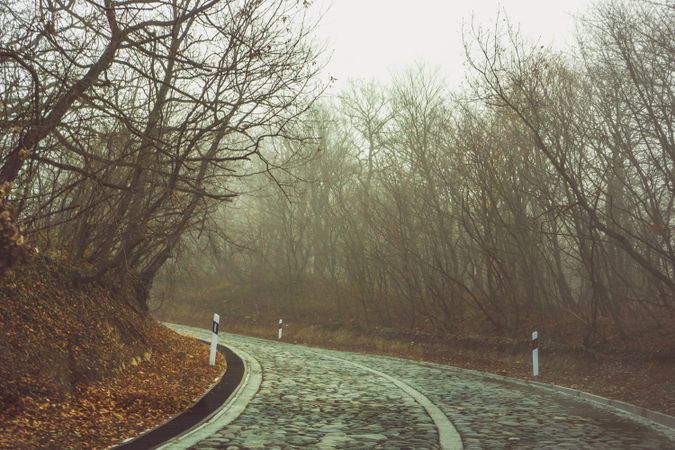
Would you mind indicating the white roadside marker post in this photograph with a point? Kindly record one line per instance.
(214, 339)
(281, 324)
(535, 353)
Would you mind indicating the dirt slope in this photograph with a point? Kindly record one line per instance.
(83, 366)
(55, 333)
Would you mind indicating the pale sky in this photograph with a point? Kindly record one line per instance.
(369, 39)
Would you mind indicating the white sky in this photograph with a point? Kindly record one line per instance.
(370, 39)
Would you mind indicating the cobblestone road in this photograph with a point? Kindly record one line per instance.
(312, 398)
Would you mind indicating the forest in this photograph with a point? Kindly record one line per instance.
(186, 147)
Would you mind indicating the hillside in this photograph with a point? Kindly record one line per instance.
(83, 364)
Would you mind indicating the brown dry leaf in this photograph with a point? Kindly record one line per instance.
(103, 413)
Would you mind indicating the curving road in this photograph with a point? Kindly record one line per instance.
(314, 398)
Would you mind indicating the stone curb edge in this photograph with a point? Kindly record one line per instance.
(150, 438)
(655, 416)
(230, 409)
(649, 417)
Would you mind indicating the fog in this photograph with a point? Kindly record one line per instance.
(469, 170)
(372, 40)
(537, 194)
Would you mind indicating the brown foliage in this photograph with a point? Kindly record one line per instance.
(100, 414)
(80, 367)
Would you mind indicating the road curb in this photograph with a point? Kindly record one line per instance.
(660, 421)
(627, 409)
(654, 416)
(203, 408)
(229, 410)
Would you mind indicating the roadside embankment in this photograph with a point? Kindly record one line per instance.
(82, 365)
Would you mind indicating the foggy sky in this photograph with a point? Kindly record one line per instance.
(370, 39)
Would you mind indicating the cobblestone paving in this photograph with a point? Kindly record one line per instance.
(307, 400)
(495, 414)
